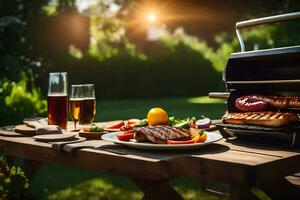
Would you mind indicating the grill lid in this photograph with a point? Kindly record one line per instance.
(276, 69)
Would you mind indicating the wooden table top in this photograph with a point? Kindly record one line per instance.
(242, 165)
(228, 161)
(223, 160)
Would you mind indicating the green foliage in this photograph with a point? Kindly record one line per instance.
(13, 182)
(20, 99)
(177, 64)
(262, 37)
(108, 40)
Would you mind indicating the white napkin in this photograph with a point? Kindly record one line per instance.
(42, 129)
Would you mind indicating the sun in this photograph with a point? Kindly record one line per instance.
(151, 17)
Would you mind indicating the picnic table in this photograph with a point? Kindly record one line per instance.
(239, 164)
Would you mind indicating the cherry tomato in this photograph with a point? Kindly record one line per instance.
(125, 136)
(86, 129)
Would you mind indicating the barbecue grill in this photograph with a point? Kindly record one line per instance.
(271, 72)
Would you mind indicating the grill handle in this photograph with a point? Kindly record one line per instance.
(219, 95)
(260, 21)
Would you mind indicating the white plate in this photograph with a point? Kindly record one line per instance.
(211, 138)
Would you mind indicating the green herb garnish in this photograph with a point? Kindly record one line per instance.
(143, 122)
(180, 123)
(95, 128)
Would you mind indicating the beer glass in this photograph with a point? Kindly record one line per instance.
(82, 103)
(58, 99)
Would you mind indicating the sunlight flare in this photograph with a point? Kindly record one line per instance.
(151, 17)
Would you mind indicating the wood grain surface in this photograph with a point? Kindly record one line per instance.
(25, 130)
(242, 165)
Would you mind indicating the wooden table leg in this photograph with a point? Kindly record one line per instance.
(157, 190)
(31, 167)
(281, 189)
(241, 191)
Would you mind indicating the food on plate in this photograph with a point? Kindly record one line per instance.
(116, 125)
(182, 123)
(161, 133)
(126, 128)
(157, 116)
(273, 119)
(122, 125)
(203, 123)
(195, 138)
(143, 122)
(93, 132)
(132, 122)
(159, 128)
(93, 128)
(257, 102)
(125, 136)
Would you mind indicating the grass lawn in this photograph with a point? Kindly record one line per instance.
(61, 182)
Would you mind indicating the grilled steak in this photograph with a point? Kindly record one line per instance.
(279, 102)
(273, 119)
(160, 134)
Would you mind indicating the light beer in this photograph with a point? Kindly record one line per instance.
(83, 109)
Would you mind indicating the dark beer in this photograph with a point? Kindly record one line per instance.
(58, 110)
(83, 109)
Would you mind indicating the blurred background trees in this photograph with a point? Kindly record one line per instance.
(128, 48)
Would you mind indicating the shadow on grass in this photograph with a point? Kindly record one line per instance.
(96, 189)
(103, 189)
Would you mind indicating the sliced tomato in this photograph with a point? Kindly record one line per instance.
(118, 124)
(132, 122)
(202, 138)
(125, 136)
(86, 129)
(181, 141)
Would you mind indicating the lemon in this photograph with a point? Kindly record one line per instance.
(157, 116)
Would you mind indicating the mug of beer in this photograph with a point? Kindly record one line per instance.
(82, 104)
(58, 99)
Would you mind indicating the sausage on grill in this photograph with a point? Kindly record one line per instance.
(273, 119)
(256, 102)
